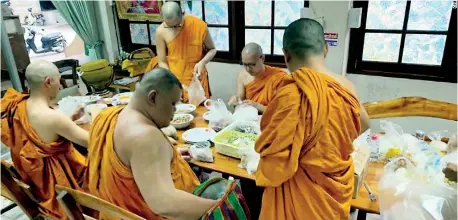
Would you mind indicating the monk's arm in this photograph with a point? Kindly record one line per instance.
(211, 50)
(364, 119)
(161, 49)
(65, 127)
(150, 163)
(239, 91)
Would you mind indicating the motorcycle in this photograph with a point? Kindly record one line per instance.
(33, 19)
(54, 42)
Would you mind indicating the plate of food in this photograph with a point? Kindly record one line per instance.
(94, 108)
(185, 108)
(122, 98)
(196, 135)
(181, 121)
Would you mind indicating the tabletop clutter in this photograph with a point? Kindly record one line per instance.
(413, 185)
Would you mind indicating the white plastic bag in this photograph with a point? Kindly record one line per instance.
(249, 160)
(196, 93)
(245, 112)
(219, 116)
(405, 193)
(201, 153)
(451, 145)
(436, 142)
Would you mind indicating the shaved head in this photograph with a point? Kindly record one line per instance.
(304, 38)
(158, 79)
(252, 49)
(37, 72)
(171, 11)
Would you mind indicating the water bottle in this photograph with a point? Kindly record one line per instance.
(374, 144)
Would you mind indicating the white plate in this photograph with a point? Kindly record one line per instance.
(198, 135)
(206, 116)
(122, 98)
(185, 108)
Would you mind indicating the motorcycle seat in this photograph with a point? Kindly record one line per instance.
(50, 36)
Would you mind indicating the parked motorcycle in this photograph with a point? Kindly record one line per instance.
(34, 18)
(54, 42)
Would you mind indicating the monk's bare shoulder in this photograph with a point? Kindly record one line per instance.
(345, 82)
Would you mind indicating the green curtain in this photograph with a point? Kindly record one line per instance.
(80, 15)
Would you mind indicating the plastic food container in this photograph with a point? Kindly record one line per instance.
(250, 132)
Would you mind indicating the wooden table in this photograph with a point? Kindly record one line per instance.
(229, 165)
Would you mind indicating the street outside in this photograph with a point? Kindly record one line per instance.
(65, 29)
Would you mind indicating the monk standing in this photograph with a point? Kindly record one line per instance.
(257, 83)
(41, 138)
(180, 43)
(131, 162)
(307, 134)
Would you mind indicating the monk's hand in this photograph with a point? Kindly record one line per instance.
(184, 152)
(78, 113)
(235, 101)
(198, 68)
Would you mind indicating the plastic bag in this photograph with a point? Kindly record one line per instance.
(451, 145)
(405, 193)
(249, 160)
(201, 152)
(170, 131)
(391, 144)
(219, 117)
(245, 112)
(196, 93)
(68, 106)
(436, 142)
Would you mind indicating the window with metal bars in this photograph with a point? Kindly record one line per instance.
(407, 39)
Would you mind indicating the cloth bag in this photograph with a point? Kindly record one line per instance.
(231, 203)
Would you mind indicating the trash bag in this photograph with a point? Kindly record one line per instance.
(196, 93)
(406, 193)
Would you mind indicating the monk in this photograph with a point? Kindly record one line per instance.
(131, 162)
(180, 43)
(307, 134)
(257, 83)
(41, 138)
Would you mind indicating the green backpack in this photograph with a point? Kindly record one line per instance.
(231, 203)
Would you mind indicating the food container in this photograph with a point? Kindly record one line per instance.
(181, 125)
(185, 108)
(247, 133)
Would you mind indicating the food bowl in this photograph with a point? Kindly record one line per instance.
(181, 121)
(185, 108)
(122, 98)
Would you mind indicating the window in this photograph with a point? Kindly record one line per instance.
(266, 21)
(410, 39)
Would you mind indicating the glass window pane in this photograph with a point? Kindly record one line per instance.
(386, 14)
(424, 49)
(195, 9)
(152, 33)
(278, 42)
(216, 12)
(287, 11)
(139, 34)
(259, 36)
(381, 47)
(258, 13)
(430, 15)
(220, 37)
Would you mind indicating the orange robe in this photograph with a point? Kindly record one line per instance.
(41, 165)
(111, 180)
(184, 52)
(305, 146)
(263, 89)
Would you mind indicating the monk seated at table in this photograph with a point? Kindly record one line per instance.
(257, 83)
(41, 138)
(180, 43)
(307, 134)
(131, 162)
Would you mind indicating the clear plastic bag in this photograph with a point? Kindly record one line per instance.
(451, 145)
(436, 142)
(405, 193)
(219, 116)
(245, 112)
(201, 153)
(196, 93)
(249, 160)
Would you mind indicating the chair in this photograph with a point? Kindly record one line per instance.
(71, 200)
(64, 67)
(411, 106)
(19, 192)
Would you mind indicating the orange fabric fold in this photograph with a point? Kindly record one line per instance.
(184, 52)
(41, 165)
(305, 146)
(263, 89)
(111, 180)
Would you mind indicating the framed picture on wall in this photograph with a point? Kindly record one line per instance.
(140, 10)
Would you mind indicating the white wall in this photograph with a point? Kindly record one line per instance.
(107, 29)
